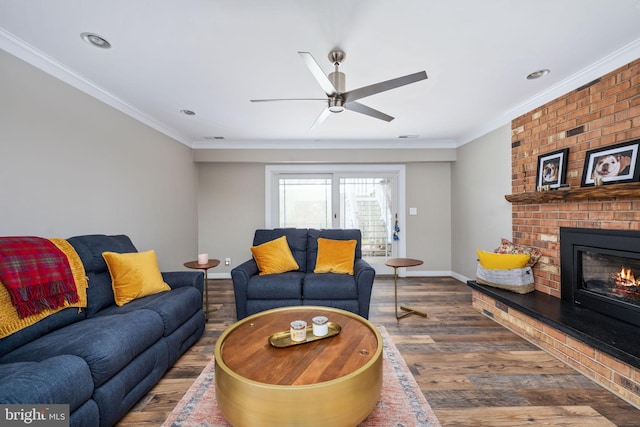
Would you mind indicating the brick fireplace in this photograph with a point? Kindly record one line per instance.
(601, 113)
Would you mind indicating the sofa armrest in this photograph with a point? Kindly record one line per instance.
(240, 276)
(364, 276)
(179, 279)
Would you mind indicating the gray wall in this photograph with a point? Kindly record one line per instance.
(230, 208)
(428, 234)
(232, 203)
(72, 165)
(480, 178)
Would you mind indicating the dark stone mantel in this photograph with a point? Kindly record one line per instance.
(616, 338)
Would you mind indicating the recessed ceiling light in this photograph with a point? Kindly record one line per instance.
(211, 138)
(188, 112)
(538, 74)
(408, 136)
(96, 40)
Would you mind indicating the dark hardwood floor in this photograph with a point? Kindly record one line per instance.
(472, 371)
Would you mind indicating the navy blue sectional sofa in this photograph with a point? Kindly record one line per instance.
(102, 360)
(255, 293)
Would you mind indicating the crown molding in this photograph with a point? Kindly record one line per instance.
(317, 144)
(31, 55)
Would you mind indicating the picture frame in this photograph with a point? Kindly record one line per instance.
(612, 164)
(552, 169)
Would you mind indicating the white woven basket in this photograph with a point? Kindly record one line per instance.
(519, 280)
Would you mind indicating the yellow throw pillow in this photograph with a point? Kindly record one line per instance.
(335, 256)
(274, 257)
(134, 275)
(492, 261)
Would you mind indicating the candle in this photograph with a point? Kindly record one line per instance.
(203, 259)
(320, 326)
(298, 330)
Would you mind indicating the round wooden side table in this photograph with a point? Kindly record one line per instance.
(401, 263)
(204, 267)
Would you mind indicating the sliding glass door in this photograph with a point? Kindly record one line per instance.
(305, 201)
(341, 197)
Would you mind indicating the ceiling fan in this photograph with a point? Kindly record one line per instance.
(334, 86)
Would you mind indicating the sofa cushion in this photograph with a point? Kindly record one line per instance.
(42, 327)
(90, 249)
(329, 286)
(276, 286)
(58, 380)
(296, 238)
(258, 305)
(335, 256)
(174, 307)
(334, 234)
(274, 257)
(134, 275)
(107, 344)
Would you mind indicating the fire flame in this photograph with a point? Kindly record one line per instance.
(626, 278)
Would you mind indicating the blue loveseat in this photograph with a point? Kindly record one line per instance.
(255, 293)
(102, 360)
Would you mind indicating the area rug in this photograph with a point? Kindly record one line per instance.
(401, 403)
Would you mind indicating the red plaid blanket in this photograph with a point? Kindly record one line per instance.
(36, 274)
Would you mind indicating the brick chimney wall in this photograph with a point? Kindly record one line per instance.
(601, 113)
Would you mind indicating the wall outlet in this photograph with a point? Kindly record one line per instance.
(227, 261)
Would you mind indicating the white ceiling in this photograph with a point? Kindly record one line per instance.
(213, 56)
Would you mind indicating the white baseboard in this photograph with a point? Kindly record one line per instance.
(460, 277)
(410, 273)
(423, 273)
(226, 275)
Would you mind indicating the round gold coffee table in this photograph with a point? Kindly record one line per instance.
(335, 381)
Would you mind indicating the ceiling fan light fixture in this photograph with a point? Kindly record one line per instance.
(96, 40)
(336, 105)
(538, 74)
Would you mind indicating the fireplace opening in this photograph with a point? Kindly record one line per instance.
(610, 276)
(600, 270)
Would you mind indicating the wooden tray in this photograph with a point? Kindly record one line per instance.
(283, 339)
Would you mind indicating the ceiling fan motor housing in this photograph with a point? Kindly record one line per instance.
(336, 102)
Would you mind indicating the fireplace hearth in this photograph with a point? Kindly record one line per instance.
(599, 270)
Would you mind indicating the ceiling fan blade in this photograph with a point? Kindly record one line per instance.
(321, 118)
(288, 99)
(363, 109)
(363, 92)
(317, 72)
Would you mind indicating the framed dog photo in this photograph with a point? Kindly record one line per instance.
(611, 164)
(552, 169)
